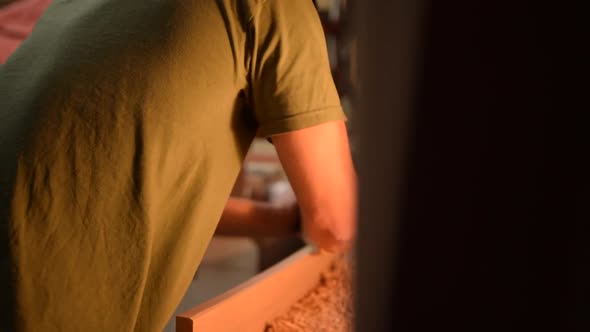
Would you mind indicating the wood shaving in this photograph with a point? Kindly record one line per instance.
(327, 308)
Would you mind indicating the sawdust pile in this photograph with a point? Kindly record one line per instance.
(327, 308)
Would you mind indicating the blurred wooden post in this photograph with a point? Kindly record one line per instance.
(474, 167)
(387, 53)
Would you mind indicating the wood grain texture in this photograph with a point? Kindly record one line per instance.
(248, 307)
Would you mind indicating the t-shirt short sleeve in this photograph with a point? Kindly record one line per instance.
(291, 85)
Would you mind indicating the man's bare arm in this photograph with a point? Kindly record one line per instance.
(319, 166)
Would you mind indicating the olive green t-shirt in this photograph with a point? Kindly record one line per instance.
(123, 125)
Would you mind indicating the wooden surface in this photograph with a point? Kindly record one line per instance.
(248, 307)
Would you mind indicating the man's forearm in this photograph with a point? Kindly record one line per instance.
(246, 217)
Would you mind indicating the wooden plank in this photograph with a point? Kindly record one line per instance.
(249, 306)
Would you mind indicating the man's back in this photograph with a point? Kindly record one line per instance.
(124, 119)
(123, 126)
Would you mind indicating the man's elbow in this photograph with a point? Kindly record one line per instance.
(330, 231)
